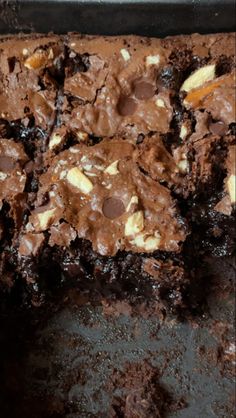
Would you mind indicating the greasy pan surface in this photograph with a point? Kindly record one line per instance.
(57, 362)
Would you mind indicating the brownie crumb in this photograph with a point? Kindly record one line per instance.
(138, 393)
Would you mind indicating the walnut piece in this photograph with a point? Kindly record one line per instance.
(38, 59)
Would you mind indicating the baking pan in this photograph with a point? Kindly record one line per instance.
(151, 18)
(56, 361)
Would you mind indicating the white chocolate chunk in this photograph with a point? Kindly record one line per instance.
(125, 54)
(77, 179)
(87, 167)
(99, 167)
(25, 52)
(231, 186)
(150, 243)
(183, 132)
(45, 219)
(63, 174)
(74, 151)
(199, 77)
(183, 165)
(112, 169)
(89, 174)
(160, 103)
(152, 60)
(3, 176)
(55, 140)
(82, 136)
(133, 200)
(134, 223)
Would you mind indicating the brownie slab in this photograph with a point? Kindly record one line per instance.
(117, 161)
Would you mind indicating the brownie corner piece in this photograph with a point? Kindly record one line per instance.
(30, 69)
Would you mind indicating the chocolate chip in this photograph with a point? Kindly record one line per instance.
(126, 106)
(218, 128)
(144, 90)
(6, 164)
(113, 208)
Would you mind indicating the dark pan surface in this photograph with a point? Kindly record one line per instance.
(58, 362)
(151, 18)
(64, 360)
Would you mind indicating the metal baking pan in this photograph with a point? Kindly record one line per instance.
(151, 18)
(55, 363)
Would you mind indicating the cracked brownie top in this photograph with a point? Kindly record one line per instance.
(126, 142)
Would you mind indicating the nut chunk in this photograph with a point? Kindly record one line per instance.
(103, 196)
(12, 175)
(226, 205)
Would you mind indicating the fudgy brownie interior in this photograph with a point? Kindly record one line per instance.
(117, 163)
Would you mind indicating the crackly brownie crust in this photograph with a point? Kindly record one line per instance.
(117, 161)
(30, 67)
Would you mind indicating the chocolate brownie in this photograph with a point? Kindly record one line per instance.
(117, 161)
